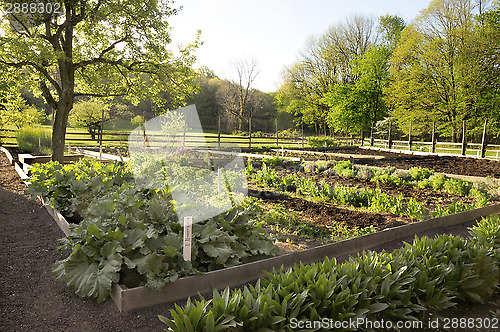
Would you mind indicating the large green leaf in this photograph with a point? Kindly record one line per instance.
(91, 279)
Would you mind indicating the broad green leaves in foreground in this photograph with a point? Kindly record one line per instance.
(133, 235)
(126, 228)
(420, 278)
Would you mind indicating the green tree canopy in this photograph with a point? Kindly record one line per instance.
(438, 70)
(360, 103)
(97, 48)
(325, 62)
(14, 110)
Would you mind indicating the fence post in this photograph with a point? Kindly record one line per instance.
(100, 137)
(302, 134)
(250, 133)
(483, 142)
(218, 135)
(184, 135)
(463, 138)
(371, 135)
(276, 122)
(409, 137)
(362, 135)
(433, 137)
(390, 138)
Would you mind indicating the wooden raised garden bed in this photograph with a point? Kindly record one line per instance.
(139, 297)
(29, 159)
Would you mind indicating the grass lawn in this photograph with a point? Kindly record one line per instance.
(116, 135)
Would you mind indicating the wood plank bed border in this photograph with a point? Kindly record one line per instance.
(8, 154)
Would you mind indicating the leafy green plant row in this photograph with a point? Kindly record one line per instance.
(415, 176)
(283, 221)
(373, 199)
(72, 187)
(136, 232)
(132, 235)
(407, 284)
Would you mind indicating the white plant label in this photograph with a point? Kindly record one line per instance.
(188, 234)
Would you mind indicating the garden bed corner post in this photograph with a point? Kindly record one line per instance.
(276, 122)
(390, 138)
(371, 135)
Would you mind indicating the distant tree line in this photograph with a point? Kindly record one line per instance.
(443, 68)
(236, 102)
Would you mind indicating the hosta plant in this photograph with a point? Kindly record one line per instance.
(424, 277)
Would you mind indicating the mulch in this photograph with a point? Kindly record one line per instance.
(30, 299)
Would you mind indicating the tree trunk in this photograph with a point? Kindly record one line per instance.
(59, 128)
(64, 105)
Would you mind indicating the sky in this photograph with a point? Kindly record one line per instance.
(273, 32)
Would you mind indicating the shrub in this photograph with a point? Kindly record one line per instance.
(423, 184)
(137, 121)
(34, 140)
(457, 187)
(319, 142)
(437, 181)
(481, 197)
(420, 173)
(387, 178)
(239, 133)
(345, 169)
(288, 133)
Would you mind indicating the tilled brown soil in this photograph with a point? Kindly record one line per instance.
(30, 299)
(445, 164)
(326, 215)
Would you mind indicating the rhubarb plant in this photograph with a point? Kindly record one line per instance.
(133, 236)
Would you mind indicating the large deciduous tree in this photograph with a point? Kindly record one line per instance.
(358, 102)
(438, 68)
(96, 48)
(325, 62)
